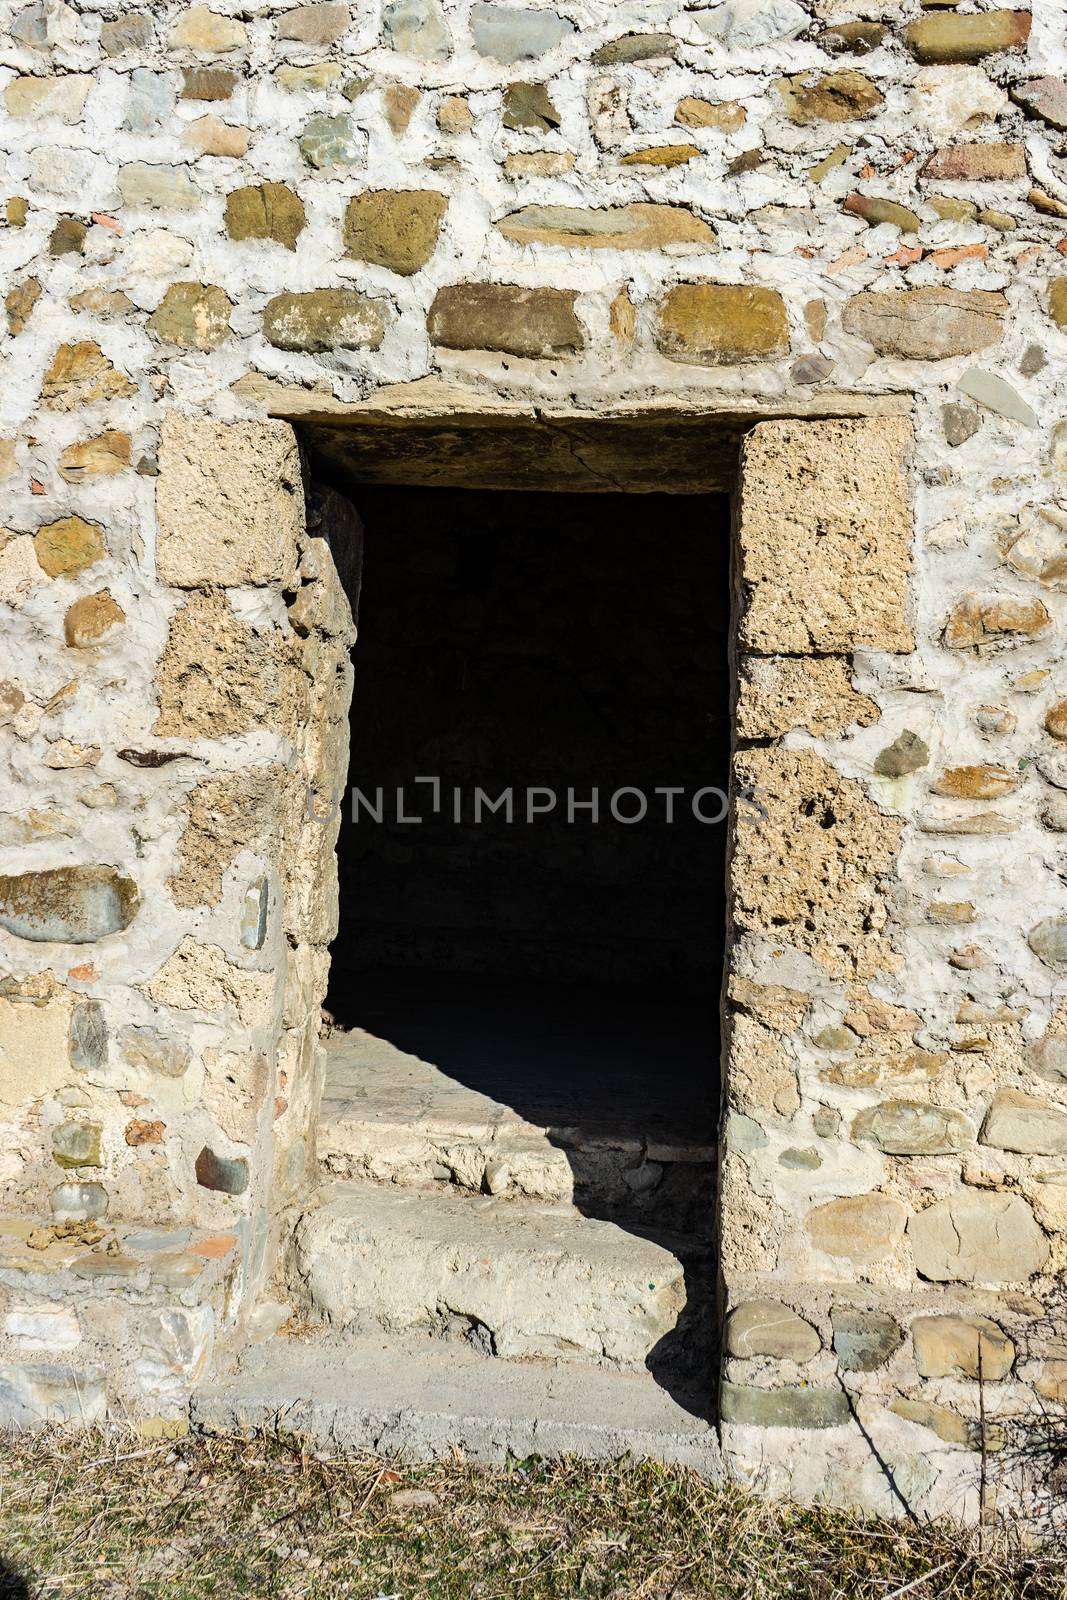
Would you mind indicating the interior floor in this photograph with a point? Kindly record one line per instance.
(586, 1066)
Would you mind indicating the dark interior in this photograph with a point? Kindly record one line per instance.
(551, 642)
(557, 642)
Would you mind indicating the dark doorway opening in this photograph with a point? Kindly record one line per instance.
(567, 964)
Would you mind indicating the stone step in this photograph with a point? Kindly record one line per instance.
(513, 1277)
(425, 1399)
(391, 1117)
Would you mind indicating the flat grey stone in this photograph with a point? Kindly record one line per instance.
(76, 1144)
(142, 184)
(150, 99)
(417, 28)
(960, 423)
(800, 1158)
(913, 1128)
(1048, 1058)
(330, 142)
(509, 33)
(67, 905)
(784, 1408)
(154, 1051)
(743, 24)
(635, 47)
(997, 395)
(978, 1238)
(1052, 765)
(78, 1202)
(768, 1328)
(1018, 1122)
(30, 26)
(1054, 813)
(1048, 941)
(88, 1036)
(152, 1239)
(254, 914)
(33, 1395)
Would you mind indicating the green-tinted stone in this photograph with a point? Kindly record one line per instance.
(416, 28)
(254, 914)
(784, 1408)
(105, 1266)
(76, 1144)
(88, 1036)
(906, 754)
(800, 1160)
(324, 319)
(633, 47)
(863, 1340)
(1048, 941)
(514, 33)
(153, 1239)
(265, 211)
(226, 1174)
(78, 1202)
(528, 105)
(992, 391)
(330, 142)
(397, 229)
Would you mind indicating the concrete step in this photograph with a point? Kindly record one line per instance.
(512, 1277)
(424, 1399)
(392, 1117)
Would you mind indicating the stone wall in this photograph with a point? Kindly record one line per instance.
(760, 204)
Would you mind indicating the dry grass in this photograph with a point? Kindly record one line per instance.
(96, 1515)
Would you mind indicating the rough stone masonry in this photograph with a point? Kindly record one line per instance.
(799, 209)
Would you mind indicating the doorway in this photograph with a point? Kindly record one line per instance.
(532, 860)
